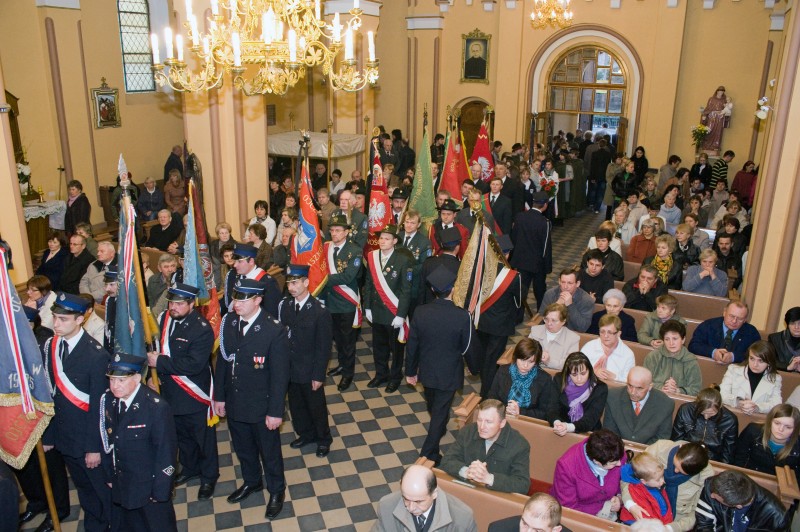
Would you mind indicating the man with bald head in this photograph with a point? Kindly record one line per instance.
(421, 506)
(477, 178)
(542, 512)
(639, 412)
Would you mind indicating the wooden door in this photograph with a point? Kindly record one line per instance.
(622, 136)
(471, 119)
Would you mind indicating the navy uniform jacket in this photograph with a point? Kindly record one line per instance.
(501, 211)
(310, 338)
(440, 335)
(398, 271)
(420, 247)
(450, 262)
(709, 336)
(111, 324)
(74, 431)
(253, 382)
(533, 243)
(348, 266)
(500, 318)
(142, 461)
(190, 348)
(513, 190)
(272, 293)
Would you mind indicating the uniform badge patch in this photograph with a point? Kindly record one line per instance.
(169, 471)
(409, 275)
(394, 275)
(357, 262)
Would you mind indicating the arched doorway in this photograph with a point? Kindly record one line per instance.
(586, 89)
(470, 121)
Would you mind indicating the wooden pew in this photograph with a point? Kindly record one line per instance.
(696, 306)
(631, 269)
(640, 315)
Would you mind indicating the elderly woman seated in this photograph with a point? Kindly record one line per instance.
(523, 386)
(587, 475)
(674, 368)
(610, 357)
(706, 278)
(754, 385)
(706, 421)
(614, 301)
(582, 399)
(556, 339)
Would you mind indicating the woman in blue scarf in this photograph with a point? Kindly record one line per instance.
(523, 386)
(582, 400)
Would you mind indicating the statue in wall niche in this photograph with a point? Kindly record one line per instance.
(716, 115)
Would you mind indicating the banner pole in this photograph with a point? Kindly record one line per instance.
(48, 488)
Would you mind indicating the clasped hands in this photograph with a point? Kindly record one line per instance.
(478, 472)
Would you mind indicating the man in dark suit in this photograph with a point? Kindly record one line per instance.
(140, 446)
(387, 296)
(447, 217)
(533, 249)
(342, 297)
(468, 215)
(173, 162)
(253, 375)
(310, 341)
(503, 465)
(184, 369)
(450, 245)
(244, 267)
(497, 319)
(639, 412)
(399, 199)
(499, 206)
(76, 365)
(440, 336)
(476, 170)
(726, 339)
(357, 219)
(512, 189)
(641, 293)
(75, 265)
(542, 512)
(420, 247)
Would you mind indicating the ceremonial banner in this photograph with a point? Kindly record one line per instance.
(422, 199)
(197, 268)
(482, 154)
(130, 334)
(379, 214)
(477, 273)
(307, 244)
(26, 405)
(455, 166)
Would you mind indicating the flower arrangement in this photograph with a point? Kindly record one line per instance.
(23, 173)
(699, 134)
(550, 186)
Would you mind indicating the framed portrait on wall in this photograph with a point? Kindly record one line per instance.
(105, 106)
(475, 57)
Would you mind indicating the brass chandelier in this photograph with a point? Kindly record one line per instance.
(555, 13)
(281, 38)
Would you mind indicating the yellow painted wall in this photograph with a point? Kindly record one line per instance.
(151, 123)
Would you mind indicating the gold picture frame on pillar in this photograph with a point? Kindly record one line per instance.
(475, 57)
(105, 106)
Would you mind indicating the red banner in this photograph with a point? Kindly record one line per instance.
(455, 167)
(307, 243)
(379, 213)
(482, 154)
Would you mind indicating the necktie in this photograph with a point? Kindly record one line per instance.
(63, 350)
(396, 218)
(172, 327)
(420, 522)
(335, 253)
(407, 240)
(728, 343)
(296, 307)
(637, 408)
(123, 407)
(491, 202)
(243, 326)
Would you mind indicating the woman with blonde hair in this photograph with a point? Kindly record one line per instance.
(754, 385)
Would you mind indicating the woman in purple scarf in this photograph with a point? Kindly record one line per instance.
(582, 399)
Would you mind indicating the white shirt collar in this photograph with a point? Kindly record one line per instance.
(252, 320)
(303, 302)
(72, 342)
(130, 397)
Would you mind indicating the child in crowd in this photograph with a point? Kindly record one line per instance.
(644, 475)
(666, 307)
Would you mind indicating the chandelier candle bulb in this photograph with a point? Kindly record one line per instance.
(355, 4)
(188, 9)
(348, 45)
(237, 49)
(179, 46)
(154, 45)
(337, 29)
(292, 46)
(168, 41)
(195, 33)
(215, 7)
(317, 9)
(233, 9)
(206, 46)
(371, 45)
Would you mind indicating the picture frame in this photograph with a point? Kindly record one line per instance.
(475, 55)
(105, 106)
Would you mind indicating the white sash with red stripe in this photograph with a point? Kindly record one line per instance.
(501, 284)
(186, 384)
(350, 295)
(385, 293)
(70, 391)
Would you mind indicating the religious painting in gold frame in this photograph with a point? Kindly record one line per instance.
(105, 106)
(475, 57)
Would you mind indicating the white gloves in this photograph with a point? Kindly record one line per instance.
(368, 315)
(397, 322)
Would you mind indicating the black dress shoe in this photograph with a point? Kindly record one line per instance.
(206, 491)
(46, 526)
(299, 442)
(392, 387)
(323, 450)
(244, 492)
(182, 479)
(374, 383)
(28, 515)
(335, 371)
(275, 505)
(344, 383)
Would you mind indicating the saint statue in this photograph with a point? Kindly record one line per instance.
(716, 116)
